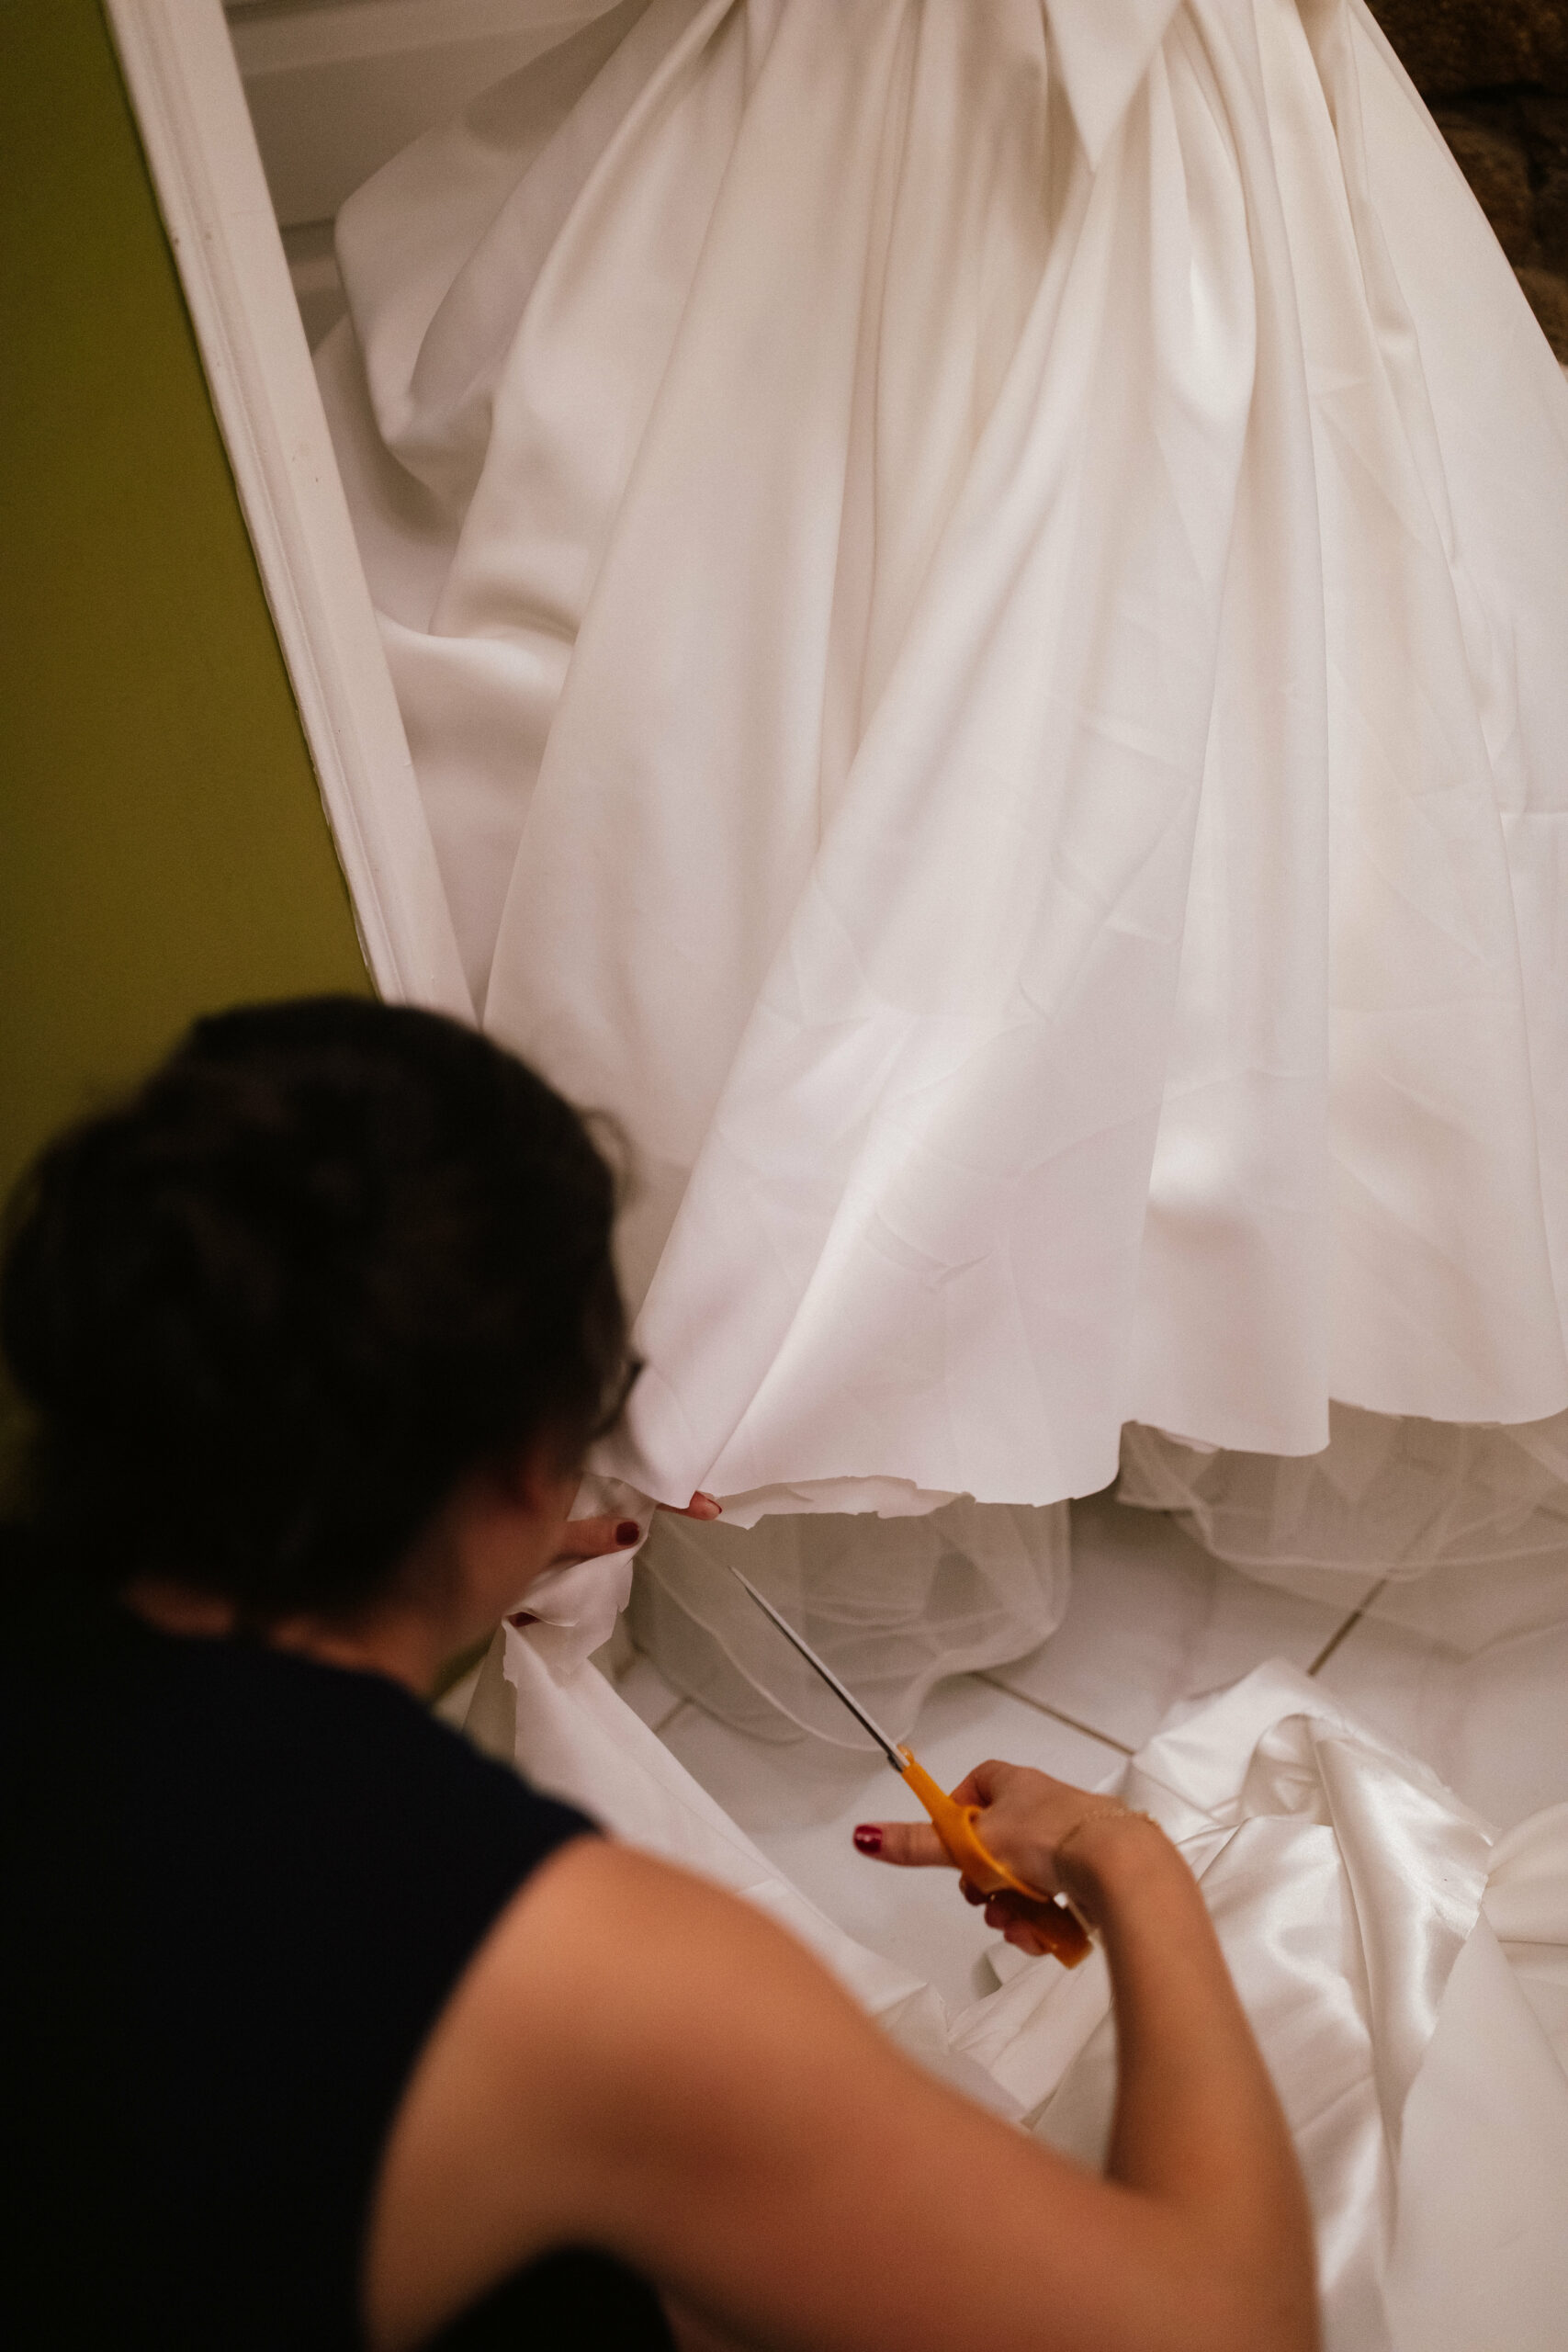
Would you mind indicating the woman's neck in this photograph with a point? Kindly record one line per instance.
(395, 1640)
(495, 1533)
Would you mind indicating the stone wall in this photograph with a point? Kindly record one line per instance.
(1495, 74)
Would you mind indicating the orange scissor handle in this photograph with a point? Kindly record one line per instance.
(955, 1825)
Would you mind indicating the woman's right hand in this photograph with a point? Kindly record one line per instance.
(1028, 1817)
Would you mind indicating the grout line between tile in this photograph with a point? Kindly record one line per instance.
(1354, 1618)
(1105, 1737)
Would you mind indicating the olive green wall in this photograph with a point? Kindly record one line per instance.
(163, 848)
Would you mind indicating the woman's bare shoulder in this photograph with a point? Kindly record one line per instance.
(609, 2036)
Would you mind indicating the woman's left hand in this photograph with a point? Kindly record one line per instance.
(593, 1539)
(589, 1539)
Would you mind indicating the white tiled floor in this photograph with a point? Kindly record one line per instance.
(1153, 1619)
(1495, 1726)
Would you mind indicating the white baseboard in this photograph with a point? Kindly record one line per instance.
(184, 85)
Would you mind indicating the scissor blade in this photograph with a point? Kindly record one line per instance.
(827, 1673)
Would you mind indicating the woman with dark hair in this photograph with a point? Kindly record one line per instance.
(322, 2029)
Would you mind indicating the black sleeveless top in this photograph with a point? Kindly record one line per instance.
(239, 1888)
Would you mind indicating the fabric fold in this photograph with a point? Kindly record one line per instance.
(1103, 48)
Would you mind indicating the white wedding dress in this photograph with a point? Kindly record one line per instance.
(980, 592)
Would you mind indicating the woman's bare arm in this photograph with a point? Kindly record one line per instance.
(1198, 2122)
(638, 2061)
(1198, 2125)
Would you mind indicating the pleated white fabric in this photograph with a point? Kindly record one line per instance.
(979, 593)
(1406, 1971)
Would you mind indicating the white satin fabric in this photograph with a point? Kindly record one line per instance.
(1406, 1974)
(1406, 1971)
(979, 591)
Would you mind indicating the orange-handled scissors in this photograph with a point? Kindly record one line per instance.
(1059, 1928)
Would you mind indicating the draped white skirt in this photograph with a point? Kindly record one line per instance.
(981, 594)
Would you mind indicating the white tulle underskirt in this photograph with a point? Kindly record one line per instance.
(1459, 1532)
(894, 1603)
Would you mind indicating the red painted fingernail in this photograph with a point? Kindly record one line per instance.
(868, 1838)
(627, 1532)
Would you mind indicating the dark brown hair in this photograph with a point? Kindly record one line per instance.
(331, 1257)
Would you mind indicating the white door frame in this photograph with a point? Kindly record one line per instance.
(184, 87)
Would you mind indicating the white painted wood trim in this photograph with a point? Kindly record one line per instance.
(184, 86)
